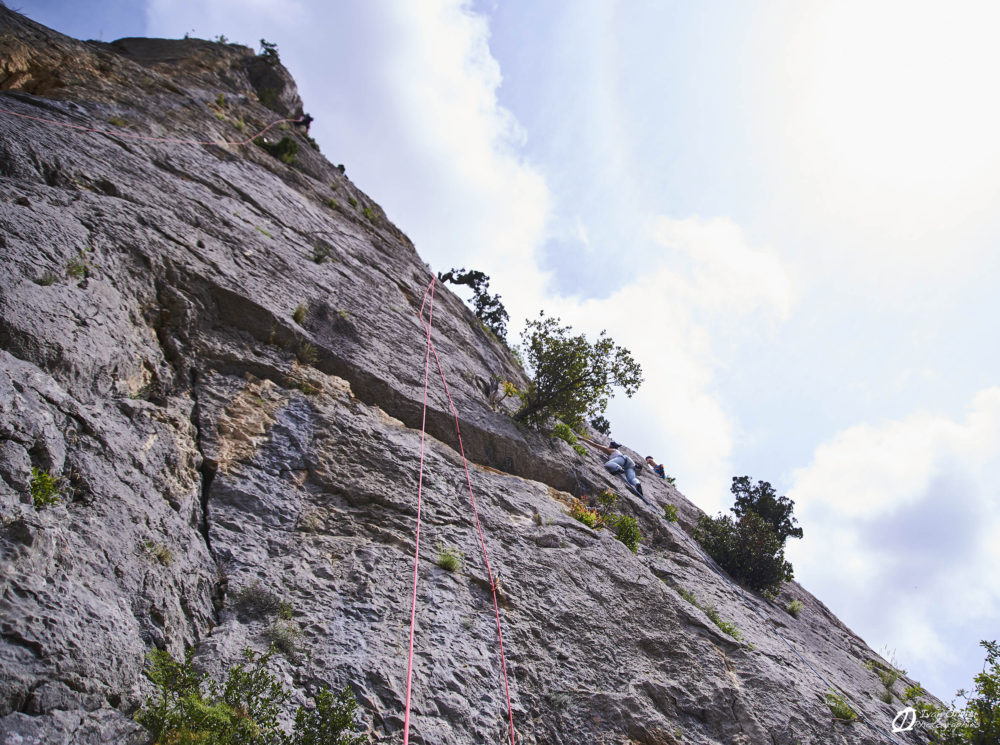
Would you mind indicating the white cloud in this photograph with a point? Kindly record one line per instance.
(881, 120)
(727, 273)
(900, 527)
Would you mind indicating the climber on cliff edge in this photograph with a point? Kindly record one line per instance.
(619, 463)
(304, 120)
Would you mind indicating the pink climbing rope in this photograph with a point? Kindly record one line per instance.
(146, 138)
(420, 484)
(482, 542)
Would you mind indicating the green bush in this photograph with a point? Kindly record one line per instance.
(284, 149)
(160, 552)
(689, 596)
(589, 517)
(794, 607)
(45, 488)
(190, 708)
(607, 500)
(839, 707)
(299, 314)
(571, 378)
(77, 267)
(726, 626)
(450, 559)
(256, 601)
(626, 530)
(562, 431)
(752, 547)
(307, 353)
(331, 722)
(321, 251)
(670, 512)
(284, 635)
(748, 550)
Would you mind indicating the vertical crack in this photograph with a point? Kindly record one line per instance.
(208, 467)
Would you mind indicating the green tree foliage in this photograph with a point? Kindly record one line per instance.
(762, 499)
(488, 308)
(189, 708)
(752, 547)
(572, 377)
(269, 51)
(748, 549)
(979, 722)
(601, 424)
(330, 722)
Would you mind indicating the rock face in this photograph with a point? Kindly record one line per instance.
(218, 453)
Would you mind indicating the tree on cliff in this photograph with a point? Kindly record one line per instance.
(751, 548)
(979, 722)
(572, 378)
(488, 308)
(762, 499)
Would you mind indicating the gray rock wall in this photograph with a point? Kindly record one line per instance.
(217, 454)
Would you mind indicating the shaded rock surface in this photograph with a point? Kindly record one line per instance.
(216, 454)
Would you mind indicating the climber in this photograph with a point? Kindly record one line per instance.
(304, 120)
(619, 463)
(657, 467)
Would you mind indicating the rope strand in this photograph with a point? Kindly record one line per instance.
(482, 543)
(420, 484)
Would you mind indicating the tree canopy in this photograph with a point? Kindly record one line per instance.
(488, 308)
(571, 377)
(979, 722)
(762, 499)
(752, 547)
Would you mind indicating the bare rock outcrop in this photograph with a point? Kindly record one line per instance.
(220, 446)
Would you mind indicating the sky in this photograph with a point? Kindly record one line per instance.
(786, 209)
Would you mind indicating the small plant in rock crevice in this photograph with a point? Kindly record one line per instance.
(160, 552)
(562, 431)
(256, 601)
(285, 635)
(449, 558)
(299, 314)
(307, 353)
(670, 513)
(45, 488)
(321, 252)
(586, 515)
(794, 607)
(625, 527)
(725, 626)
(626, 530)
(77, 267)
(839, 707)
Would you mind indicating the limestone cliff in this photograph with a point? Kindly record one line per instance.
(216, 445)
